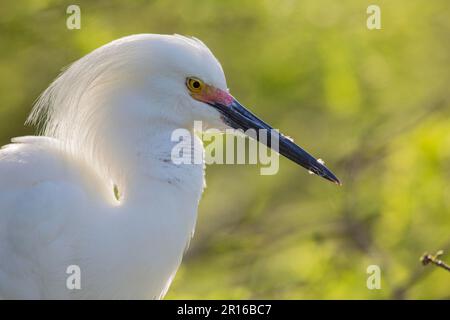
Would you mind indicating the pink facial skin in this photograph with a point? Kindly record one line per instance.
(213, 95)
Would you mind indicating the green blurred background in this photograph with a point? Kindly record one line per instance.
(373, 103)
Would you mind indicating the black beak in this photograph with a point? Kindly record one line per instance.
(238, 117)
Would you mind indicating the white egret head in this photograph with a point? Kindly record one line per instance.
(141, 81)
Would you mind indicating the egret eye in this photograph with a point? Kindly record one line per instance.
(194, 85)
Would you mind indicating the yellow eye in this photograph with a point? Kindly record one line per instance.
(194, 85)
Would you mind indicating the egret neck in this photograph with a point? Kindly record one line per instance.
(158, 201)
(149, 158)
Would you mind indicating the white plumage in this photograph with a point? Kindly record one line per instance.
(107, 121)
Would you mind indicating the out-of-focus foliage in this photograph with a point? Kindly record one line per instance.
(373, 104)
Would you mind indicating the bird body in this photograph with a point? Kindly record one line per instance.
(98, 189)
(55, 212)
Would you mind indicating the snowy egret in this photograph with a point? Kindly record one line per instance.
(97, 189)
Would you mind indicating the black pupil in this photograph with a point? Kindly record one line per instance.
(196, 84)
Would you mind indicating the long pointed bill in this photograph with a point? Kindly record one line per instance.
(238, 117)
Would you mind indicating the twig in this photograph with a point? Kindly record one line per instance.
(428, 258)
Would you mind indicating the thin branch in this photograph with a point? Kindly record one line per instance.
(428, 258)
